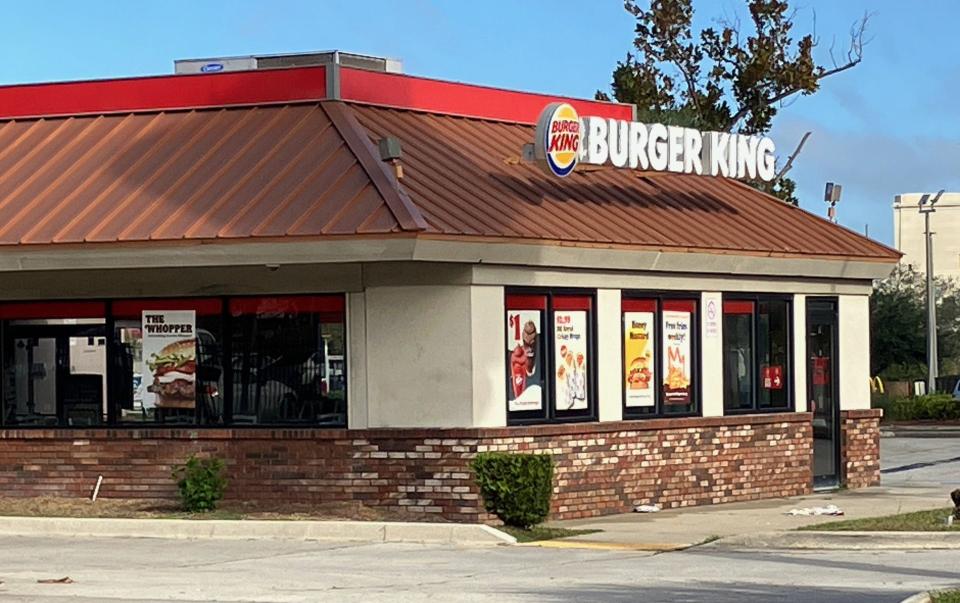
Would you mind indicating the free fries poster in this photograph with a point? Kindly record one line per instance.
(677, 369)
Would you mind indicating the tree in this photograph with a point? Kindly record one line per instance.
(722, 79)
(898, 325)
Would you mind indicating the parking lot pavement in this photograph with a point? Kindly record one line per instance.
(143, 570)
(906, 461)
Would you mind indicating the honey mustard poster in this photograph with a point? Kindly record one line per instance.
(638, 357)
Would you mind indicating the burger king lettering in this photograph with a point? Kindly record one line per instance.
(563, 139)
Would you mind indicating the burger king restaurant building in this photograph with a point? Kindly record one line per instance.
(348, 282)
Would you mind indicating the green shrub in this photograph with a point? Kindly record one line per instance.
(515, 487)
(936, 407)
(201, 483)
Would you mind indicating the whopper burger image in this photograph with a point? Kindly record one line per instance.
(174, 370)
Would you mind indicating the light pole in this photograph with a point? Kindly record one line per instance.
(927, 207)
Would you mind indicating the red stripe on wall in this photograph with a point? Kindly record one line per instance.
(526, 302)
(638, 305)
(680, 305)
(53, 310)
(133, 308)
(571, 303)
(738, 307)
(287, 304)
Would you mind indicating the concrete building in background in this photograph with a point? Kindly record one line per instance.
(908, 233)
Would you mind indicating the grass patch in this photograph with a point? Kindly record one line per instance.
(537, 533)
(918, 521)
(946, 596)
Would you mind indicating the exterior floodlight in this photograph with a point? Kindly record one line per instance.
(832, 196)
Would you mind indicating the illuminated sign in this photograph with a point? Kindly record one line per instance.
(563, 140)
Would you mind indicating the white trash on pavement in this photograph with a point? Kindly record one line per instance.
(812, 511)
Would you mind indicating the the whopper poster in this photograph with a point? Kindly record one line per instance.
(677, 369)
(169, 358)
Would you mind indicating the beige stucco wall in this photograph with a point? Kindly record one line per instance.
(609, 356)
(800, 352)
(711, 346)
(419, 361)
(488, 356)
(854, 352)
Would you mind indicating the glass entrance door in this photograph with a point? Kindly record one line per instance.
(822, 387)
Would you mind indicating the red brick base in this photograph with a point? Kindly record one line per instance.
(601, 468)
(860, 448)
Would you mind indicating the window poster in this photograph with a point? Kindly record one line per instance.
(570, 356)
(638, 358)
(524, 361)
(677, 363)
(169, 358)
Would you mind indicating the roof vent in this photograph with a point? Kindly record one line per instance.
(390, 152)
(274, 61)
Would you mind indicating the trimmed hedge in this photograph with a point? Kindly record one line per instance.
(515, 487)
(936, 407)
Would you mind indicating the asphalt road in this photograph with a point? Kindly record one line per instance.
(143, 570)
(920, 462)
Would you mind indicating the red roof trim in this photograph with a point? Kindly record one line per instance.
(163, 92)
(464, 100)
(294, 84)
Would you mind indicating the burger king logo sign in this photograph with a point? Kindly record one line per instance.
(557, 145)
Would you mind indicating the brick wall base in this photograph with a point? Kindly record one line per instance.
(860, 448)
(601, 468)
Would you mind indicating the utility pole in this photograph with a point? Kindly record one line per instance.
(927, 207)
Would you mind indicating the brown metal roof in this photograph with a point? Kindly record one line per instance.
(466, 177)
(228, 173)
(312, 170)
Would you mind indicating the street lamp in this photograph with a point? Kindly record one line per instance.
(927, 207)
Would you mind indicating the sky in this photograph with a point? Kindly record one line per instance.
(886, 127)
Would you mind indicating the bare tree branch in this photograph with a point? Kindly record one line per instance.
(789, 164)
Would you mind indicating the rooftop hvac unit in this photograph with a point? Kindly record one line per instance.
(273, 61)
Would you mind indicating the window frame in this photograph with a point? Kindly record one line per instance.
(631, 413)
(789, 369)
(84, 308)
(549, 414)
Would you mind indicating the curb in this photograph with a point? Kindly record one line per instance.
(850, 541)
(596, 545)
(187, 529)
(918, 598)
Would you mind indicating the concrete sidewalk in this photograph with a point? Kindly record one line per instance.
(681, 528)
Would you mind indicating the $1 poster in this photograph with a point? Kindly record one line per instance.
(524, 361)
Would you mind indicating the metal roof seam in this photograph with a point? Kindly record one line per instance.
(275, 181)
(66, 202)
(274, 145)
(130, 197)
(406, 212)
(61, 153)
(420, 145)
(195, 195)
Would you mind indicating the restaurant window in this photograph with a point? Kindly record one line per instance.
(54, 364)
(550, 357)
(756, 355)
(287, 360)
(167, 365)
(660, 356)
